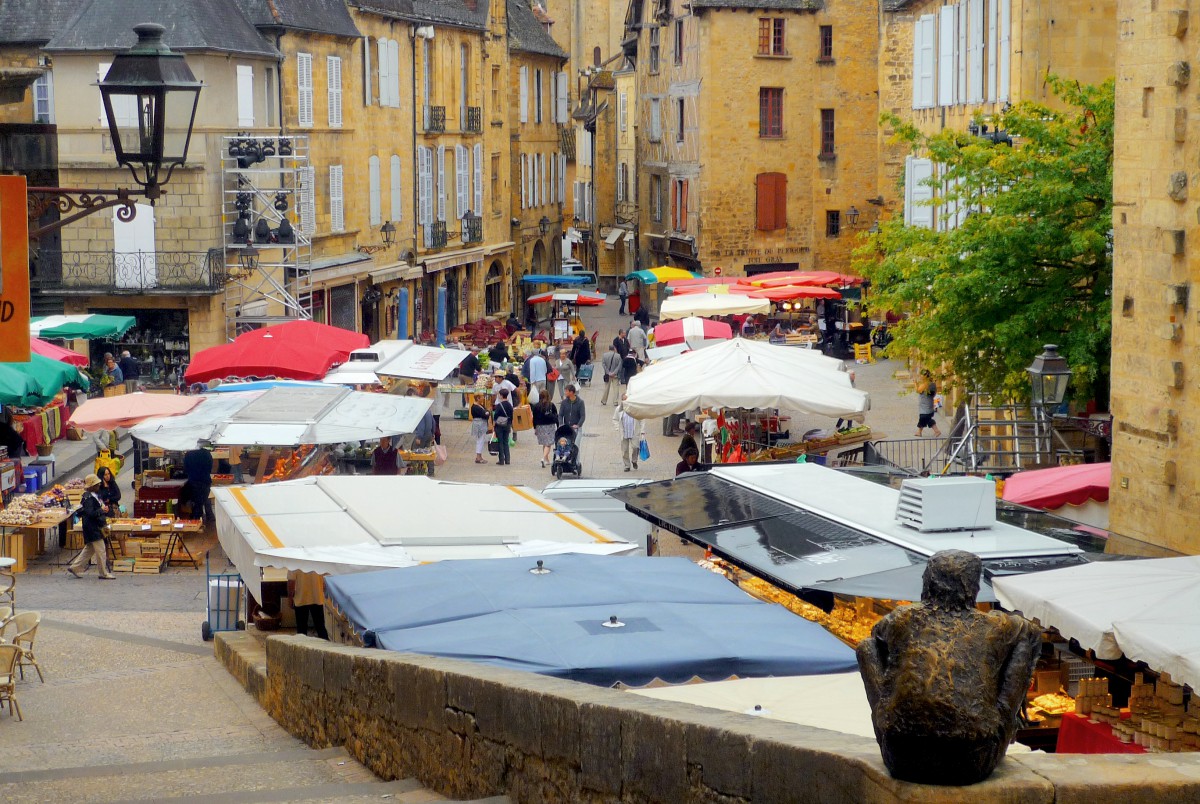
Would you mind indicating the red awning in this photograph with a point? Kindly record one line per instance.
(1060, 485)
(56, 352)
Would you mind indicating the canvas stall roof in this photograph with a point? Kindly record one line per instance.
(81, 326)
(287, 416)
(678, 623)
(421, 362)
(710, 304)
(344, 524)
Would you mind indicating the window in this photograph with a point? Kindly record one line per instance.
(537, 96)
(656, 204)
(655, 120)
(464, 81)
(523, 108)
(496, 88)
(337, 218)
(304, 84)
(477, 155)
(622, 110)
(833, 223)
(245, 95)
(679, 41)
(397, 186)
(679, 205)
(596, 56)
(825, 52)
(827, 130)
(770, 112)
(772, 39)
(654, 50)
(271, 92)
(771, 201)
(491, 289)
(374, 190)
(495, 179)
(308, 205)
(462, 181)
(622, 180)
(333, 66)
(679, 119)
(562, 102)
(43, 98)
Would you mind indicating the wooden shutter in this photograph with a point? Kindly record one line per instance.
(440, 191)
(337, 218)
(927, 61)
(462, 180)
(135, 239)
(542, 177)
(683, 205)
(397, 186)
(765, 200)
(991, 50)
(961, 53)
(523, 108)
(394, 72)
(304, 109)
(561, 100)
(368, 97)
(975, 68)
(623, 111)
(524, 199)
(385, 75)
(1002, 50)
(373, 182)
(308, 203)
(333, 68)
(918, 192)
(245, 95)
(946, 72)
(424, 185)
(478, 206)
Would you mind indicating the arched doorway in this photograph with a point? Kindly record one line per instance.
(539, 258)
(452, 299)
(492, 296)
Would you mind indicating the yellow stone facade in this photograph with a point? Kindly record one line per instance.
(1156, 424)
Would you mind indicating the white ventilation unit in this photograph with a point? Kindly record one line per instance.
(947, 503)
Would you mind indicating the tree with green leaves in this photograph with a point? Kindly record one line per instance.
(1027, 257)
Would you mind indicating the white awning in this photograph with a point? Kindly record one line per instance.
(613, 236)
(397, 270)
(422, 362)
(454, 259)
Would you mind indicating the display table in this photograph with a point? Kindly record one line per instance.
(24, 542)
(147, 544)
(42, 426)
(1078, 735)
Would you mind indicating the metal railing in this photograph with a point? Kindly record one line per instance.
(435, 234)
(472, 229)
(108, 272)
(435, 118)
(474, 120)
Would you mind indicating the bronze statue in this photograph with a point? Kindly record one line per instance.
(945, 681)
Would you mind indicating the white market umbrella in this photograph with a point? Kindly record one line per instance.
(710, 304)
(746, 374)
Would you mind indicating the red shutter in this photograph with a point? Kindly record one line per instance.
(674, 205)
(771, 201)
(780, 200)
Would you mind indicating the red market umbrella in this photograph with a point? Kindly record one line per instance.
(691, 330)
(55, 352)
(583, 298)
(297, 350)
(791, 293)
(807, 278)
(704, 282)
(1060, 485)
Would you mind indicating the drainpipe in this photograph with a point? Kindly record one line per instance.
(416, 166)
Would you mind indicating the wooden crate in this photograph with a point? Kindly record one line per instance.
(147, 566)
(123, 565)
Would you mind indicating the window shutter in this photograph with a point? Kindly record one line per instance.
(623, 111)
(440, 190)
(575, 198)
(394, 72)
(524, 202)
(366, 63)
(462, 180)
(621, 182)
(373, 181)
(397, 187)
(425, 185)
(991, 51)
(333, 67)
(918, 192)
(304, 88)
(385, 75)
(975, 68)
(961, 53)
(928, 61)
(562, 100)
(308, 204)
(655, 120)
(780, 200)
(477, 208)
(245, 95)
(683, 205)
(1002, 50)
(947, 36)
(765, 201)
(337, 220)
(542, 176)
(562, 177)
(524, 104)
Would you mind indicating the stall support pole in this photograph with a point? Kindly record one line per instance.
(263, 461)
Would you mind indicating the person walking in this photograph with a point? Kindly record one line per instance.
(926, 391)
(611, 364)
(638, 342)
(629, 444)
(93, 522)
(581, 350)
(479, 429)
(688, 442)
(629, 368)
(572, 412)
(539, 367)
(502, 414)
(623, 295)
(198, 467)
(621, 342)
(566, 375)
(131, 371)
(545, 422)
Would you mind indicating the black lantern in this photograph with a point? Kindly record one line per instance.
(388, 230)
(1050, 376)
(150, 97)
(248, 258)
(852, 215)
(544, 225)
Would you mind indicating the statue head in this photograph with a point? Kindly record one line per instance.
(951, 580)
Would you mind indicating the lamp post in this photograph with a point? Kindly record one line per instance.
(150, 98)
(1049, 376)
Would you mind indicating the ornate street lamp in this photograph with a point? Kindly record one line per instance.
(388, 230)
(248, 258)
(1050, 376)
(852, 215)
(150, 98)
(544, 225)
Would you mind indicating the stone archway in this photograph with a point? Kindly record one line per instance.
(493, 295)
(538, 265)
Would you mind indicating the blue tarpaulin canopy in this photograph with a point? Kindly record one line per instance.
(554, 279)
(679, 621)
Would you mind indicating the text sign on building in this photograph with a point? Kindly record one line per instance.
(14, 270)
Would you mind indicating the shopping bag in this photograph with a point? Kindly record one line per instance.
(644, 450)
(522, 418)
(494, 446)
(535, 395)
(439, 455)
(106, 458)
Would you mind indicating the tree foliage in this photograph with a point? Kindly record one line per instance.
(1032, 261)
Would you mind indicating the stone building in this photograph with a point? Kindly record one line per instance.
(756, 132)
(616, 193)
(1155, 418)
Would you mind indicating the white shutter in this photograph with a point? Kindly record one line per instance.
(623, 110)
(575, 198)
(333, 67)
(655, 120)
(524, 200)
(621, 181)
(394, 72)
(1002, 49)
(397, 196)
(245, 95)
(308, 204)
(367, 97)
(927, 78)
(440, 190)
(960, 54)
(424, 185)
(975, 65)
(991, 50)
(462, 180)
(305, 88)
(524, 105)
(135, 239)
(533, 181)
(917, 192)
(385, 74)
(561, 100)
(947, 37)
(562, 178)
(542, 173)
(374, 180)
(337, 218)
(478, 206)
(552, 199)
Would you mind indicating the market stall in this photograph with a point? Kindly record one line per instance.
(711, 304)
(29, 521)
(1078, 493)
(341, 524)
(56, 352)
(86, 327)
(298, 350)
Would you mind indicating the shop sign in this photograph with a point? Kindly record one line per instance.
(14, 270)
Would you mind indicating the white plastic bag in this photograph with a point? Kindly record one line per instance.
(535, 395)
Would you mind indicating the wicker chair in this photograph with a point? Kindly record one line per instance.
(9, 655)
(21, 631)
(8, 591)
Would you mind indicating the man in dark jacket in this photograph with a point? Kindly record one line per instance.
(130, 370)
(198, 466)
(571, 411)
(581, 351)
(93, 522)
(621, 343)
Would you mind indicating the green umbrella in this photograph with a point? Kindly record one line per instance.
(44, 378)
(18, 388)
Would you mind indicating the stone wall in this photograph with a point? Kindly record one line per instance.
(468, 730)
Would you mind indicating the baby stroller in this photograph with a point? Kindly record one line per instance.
(566, 453)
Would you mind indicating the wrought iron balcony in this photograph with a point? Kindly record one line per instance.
(472, 229)
(474, 121)
(435, 118)
(435, 234)
(169, 273)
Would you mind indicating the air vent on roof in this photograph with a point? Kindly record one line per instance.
(947, 503)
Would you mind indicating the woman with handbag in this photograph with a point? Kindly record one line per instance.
(502, 415)
(480, 427)
(545, 422)
(566, 374)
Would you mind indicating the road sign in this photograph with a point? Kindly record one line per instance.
(14, 270)
(717, 271)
